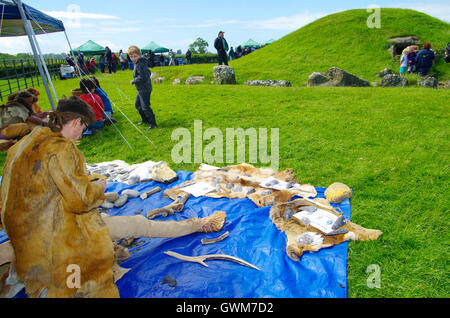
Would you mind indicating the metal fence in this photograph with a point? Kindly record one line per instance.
(18, 74)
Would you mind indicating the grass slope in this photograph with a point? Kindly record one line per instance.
(389, 144)
(342, 39)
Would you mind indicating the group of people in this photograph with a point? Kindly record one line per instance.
(414, 61)
(241, 52)
(107, 61)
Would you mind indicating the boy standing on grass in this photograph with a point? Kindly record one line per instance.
(143, 83)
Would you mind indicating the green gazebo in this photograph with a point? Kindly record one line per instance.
(155, 48)
(251, 43)
(90, 48)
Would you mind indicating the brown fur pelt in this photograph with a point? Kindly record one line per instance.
(16, 130)
(293, 228)
(49, 214)
(245, 176)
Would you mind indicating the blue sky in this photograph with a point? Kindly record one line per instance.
(177, 23)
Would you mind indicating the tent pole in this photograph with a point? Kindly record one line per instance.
(43, 64)
(27, 26)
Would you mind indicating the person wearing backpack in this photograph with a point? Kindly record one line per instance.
(425, 59)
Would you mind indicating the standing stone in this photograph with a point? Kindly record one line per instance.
(428, 82)
(340, 77)
(393, 80)
(224, 74)
(336, 77)
(317, 79)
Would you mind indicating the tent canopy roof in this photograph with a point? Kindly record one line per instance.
(269, 41)
(12, 24)
(155, 48)
(90, 48)
(251, 43)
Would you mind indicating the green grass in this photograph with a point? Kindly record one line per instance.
(389, 144)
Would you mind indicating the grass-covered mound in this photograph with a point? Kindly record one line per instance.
(342, 39)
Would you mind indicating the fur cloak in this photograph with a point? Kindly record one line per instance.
(49, 213)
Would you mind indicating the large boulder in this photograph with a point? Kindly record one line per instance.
(342, 78)
(336, 77)
(428, 82)
(224, 74)
(281, 83)
(393, 80)
(317, 79)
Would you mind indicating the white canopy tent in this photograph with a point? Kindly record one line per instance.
(19, 19)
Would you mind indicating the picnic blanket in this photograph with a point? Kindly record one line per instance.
(253, 238)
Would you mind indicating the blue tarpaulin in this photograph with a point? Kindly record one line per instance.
(253, 238)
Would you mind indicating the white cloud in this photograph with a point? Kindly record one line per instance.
(80, 15)
(439, 10)
(287, 22)
(120, 29)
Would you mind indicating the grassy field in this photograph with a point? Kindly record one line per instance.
(389, 144)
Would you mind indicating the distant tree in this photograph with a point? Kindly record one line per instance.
(179, 52)
(199, 46)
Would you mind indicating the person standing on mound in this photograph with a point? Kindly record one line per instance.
(143, 83)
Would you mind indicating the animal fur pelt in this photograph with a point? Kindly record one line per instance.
(243, 180)
(293, 228)
(49, 213)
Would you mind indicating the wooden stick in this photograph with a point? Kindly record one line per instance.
(200, 259)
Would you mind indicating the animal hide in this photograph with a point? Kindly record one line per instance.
(49, 213)
(295, 228)
(244, 180)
